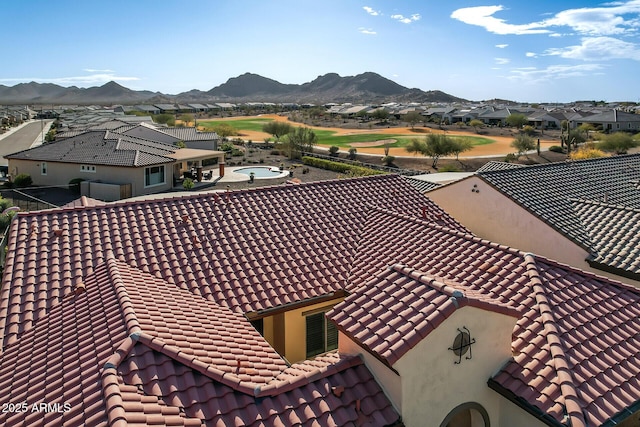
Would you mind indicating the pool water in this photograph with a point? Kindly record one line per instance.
(261, 172)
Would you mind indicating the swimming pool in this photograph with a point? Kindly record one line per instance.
(261, 171)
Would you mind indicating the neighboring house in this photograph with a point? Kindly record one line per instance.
(552, 210)
(613, 121)
(115, 165)
(139, 312)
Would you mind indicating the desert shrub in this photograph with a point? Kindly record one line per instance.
(388, 160)
(23, 180)
(188, 184)
(510, 158)
(339, 167)
(74, 185)
(528, 130)
(587, 152)
(556, 149)
(333, 150)
(449, 168)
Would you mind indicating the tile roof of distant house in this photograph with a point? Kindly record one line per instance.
(420, 184)
(241, 249)
(190, 134)
(612, 116)
(546, 190)
(614, 233)
(83, 201)
(101, 148)
(114, 360)
(494, 165)
(576, 336)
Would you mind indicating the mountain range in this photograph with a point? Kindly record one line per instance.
(363, 88)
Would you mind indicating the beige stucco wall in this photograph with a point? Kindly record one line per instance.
(61, 173)
(388, 380)
(433, 385)
(292, 332)
(493, 216)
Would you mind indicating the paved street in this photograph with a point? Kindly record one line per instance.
(22, 138)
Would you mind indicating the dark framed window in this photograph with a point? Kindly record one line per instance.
(154, 175)
(322, 334)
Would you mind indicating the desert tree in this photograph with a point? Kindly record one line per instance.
(516, 120)
(300, 140)
(586, 128)
(380, 114)
(186, 118)
(352, 153)
(618, 142)
(277, 129)
(476, 124)
(523, 143)
(225, 130)
(412, 117)
(436, 146)
(416, 146)
(460, 145)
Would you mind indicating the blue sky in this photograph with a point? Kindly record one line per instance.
(530, 51)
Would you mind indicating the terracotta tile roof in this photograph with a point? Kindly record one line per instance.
(148, 387)
(395, 311)
(577, 348)
(614, 232)
(248, 251)
(83, 201)
(173, 359)
(575, 343)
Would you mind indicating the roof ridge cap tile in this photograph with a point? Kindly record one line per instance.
(568, 389)
(120, 288)
(276, 387)
(458, 297)
(235, 382)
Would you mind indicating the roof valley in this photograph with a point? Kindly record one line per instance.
(572, 403)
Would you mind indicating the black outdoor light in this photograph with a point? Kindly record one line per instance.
(462, 344)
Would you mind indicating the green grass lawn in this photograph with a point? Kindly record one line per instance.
(329, 138)
(248, 124)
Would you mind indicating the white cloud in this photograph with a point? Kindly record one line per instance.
(612, 18)
(501, 61)
(531, 55)
(553, 72)
(372, 11)
(368, 31)
(93, 70)
(405, 20)
(501, 46)
(482, 16)
(82, 81)
(609, 19)
(598, 49)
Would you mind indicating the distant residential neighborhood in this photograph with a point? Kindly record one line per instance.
(506, 295)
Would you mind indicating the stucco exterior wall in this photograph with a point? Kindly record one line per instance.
(493, 216)
(388, 380)
(289, 337)
(61, 173)
(433, 385)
